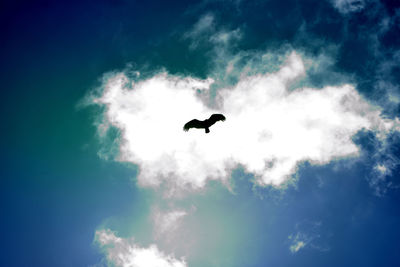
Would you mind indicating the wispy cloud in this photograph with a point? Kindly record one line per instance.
(166, 222)
(348, 6)
(297, 245)
(308, 235)
(205, 32)
(200, 31)
(386, 163)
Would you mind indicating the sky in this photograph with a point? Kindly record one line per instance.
(97, 171)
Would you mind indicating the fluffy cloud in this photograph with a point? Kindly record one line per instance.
(270, 126)
(124, 252)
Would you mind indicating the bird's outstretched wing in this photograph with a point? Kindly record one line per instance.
(216, 117)
(192, 124)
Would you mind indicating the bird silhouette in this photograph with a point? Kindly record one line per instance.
(204, 124)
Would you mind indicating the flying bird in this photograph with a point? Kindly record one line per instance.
(204, 124)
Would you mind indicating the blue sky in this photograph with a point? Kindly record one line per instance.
(304, 171)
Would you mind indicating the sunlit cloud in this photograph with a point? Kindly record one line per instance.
(126, 253)
(270, 127)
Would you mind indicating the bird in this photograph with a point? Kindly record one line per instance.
(203, 124)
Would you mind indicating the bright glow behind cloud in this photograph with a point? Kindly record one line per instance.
(269, 128)
(124, 252)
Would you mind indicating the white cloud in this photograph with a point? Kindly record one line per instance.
(269, 130)
(124, 252)
(348, 6)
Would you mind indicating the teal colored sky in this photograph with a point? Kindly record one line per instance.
(57, 190)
